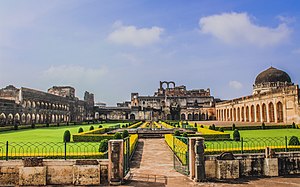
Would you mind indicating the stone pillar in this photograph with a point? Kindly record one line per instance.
(199, 160)
(192, 157)
(275, 113)
(115, 165)
(268, 114)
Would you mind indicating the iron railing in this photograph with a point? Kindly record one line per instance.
(250, 145)
(51, 150)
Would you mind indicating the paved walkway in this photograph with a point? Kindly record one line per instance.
(152, 165)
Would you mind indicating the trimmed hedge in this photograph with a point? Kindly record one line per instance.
(258, 127)
(135, 125)
(216, 137)
(91, 137)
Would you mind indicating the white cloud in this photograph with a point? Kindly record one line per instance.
(130, 35)
(235, 85)
(74, 74)
(238, 28)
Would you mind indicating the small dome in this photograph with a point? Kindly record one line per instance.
(272, 75)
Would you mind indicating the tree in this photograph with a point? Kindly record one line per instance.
(91, 128)
(117, 135)
(236, 135)
(294, 141)
(125, 134)
(103, 146)
(176, 133)
(263, 126)
(294, 125)
(233, 126)
(100, 126)
(67, 136)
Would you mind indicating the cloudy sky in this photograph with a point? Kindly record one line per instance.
(113, 47)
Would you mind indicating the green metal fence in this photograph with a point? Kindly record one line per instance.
(250, 145)
(52, 150)
(181, 154)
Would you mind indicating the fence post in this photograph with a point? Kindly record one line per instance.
(242, 145)
(286, 144)
(6, 155)
(65, 150)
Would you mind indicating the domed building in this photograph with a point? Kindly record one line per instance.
(271, 79)
(275, 99)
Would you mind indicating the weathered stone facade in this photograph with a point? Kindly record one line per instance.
(275, 99)
(173, 103)
(29, 106)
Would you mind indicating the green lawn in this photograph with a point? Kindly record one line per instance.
(46, 134)
(267, 133)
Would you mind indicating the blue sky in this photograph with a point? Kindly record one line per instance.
(113, 47)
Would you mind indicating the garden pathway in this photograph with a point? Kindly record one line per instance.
(152, 165)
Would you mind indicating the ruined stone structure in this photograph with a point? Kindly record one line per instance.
(173, 102)
(275, 99)
(29, 106)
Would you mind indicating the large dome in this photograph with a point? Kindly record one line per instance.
(272, 75)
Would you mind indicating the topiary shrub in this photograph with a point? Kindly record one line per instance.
(195, 125)
(176, 133)
(16, 126)
(91, 128)
(125, 134)
(67, 123)
(100, 126)
(32, 125)
(67, 136)
(117, 135)
(233, 126)
(294, 125)
(57, 124)
(80, 130)
(210, 127)
(213, 127)
(185, 134)
(47, 125)
(294, 141)
(103, 145)
(236, 135)
(126, 125)
(201, 126)
(123, 126)
(263, 126)
(221, 129)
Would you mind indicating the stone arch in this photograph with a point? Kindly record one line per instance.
(190, 117)
(182, 116)
(162, 83)
(37, 120)
(10, 117)
(132, 116)
(264, 112)
(2, 119)
(257, 113)
(252, 113)
(271, 112)
(243, 114)
(171, 83)
(33, 117)
(279, 109)
(247, 114)
(17, 117)
(53, 118)
(196, 117)
(28, 119)
(23, 118)
(28, 104)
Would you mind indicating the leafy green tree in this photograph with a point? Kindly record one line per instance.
(103, 146)
(176, 133)
(117, 135)
(125, 134)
